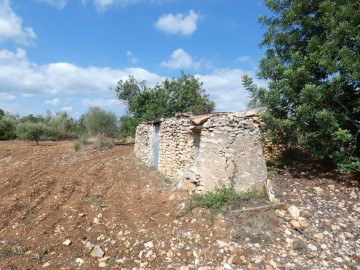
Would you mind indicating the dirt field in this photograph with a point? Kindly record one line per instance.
(50, 194)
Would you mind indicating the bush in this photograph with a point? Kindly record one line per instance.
(31, 131)
(128, 126)
(101, 142)
(82, 141)
(7, 128)
(214, 200)
(98, 121)
(61, 127)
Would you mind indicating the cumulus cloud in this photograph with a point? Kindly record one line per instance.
(7, 97)
(244, 59)
(53, 102)
(101, 102)
(178, 23)
(11, 28)
(180, 60)
(67, 109)
(55, 78)
(225, 87)
(89, 86)
(102, 5)
(56, 3)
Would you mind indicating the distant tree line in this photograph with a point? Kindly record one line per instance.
(57, 127)
(144, 103)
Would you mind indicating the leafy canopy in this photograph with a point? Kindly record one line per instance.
(184, 94)
(312, 66)
(98, 121)
(30, 131)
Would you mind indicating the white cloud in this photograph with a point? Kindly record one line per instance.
(53, 102)
(67, 109)
(244, 59)
(102, 5)
(8, 97)
(225, 87)
(11, 28)
(101, 102)
(178, 23)
(55, 78)
(56, 3)
(133, 59)
(25, 95)
(180, 59)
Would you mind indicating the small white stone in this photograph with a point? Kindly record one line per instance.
(79, 261)
(312, 247)
(319, 191)
(353, 195)
(67, 242)
(319, 236)
(227, 266)
(149, 244)
(47, 264)
(102, 264)
(294, 211)
(97, 252)
(339, 260)
(222, 243)
(89, 245)
(96, 221)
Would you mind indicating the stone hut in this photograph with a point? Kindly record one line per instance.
(207, 151)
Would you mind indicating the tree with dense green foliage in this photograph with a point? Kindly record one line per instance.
(184, 94)
(312, 66)
(7, 128)
(2, 113)
(32, 119)
(61, 126)
(98, 121)
(30, 131)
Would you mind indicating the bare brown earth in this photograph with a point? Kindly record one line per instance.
(50, 193)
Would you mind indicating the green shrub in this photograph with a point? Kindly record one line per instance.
(101, 142)
(98, 121)
(82, 141)
(214, 200)
(77, 145)
(31, 131)
(127, 127)
(7, 128)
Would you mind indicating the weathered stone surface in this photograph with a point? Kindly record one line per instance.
(97, 252)
(208, 151)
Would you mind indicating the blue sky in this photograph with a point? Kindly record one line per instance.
(64, 55)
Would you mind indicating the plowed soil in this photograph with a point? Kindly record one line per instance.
(57, 204)
(50, 193)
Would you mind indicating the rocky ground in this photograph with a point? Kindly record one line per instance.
(93, 209)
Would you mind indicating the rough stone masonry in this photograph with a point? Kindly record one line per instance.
(207, 151)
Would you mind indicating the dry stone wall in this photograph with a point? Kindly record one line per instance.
(142, 149)
(209, 151)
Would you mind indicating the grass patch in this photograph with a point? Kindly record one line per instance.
(225, 196)
(98, 201)
(213, 200)
(15, 251)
